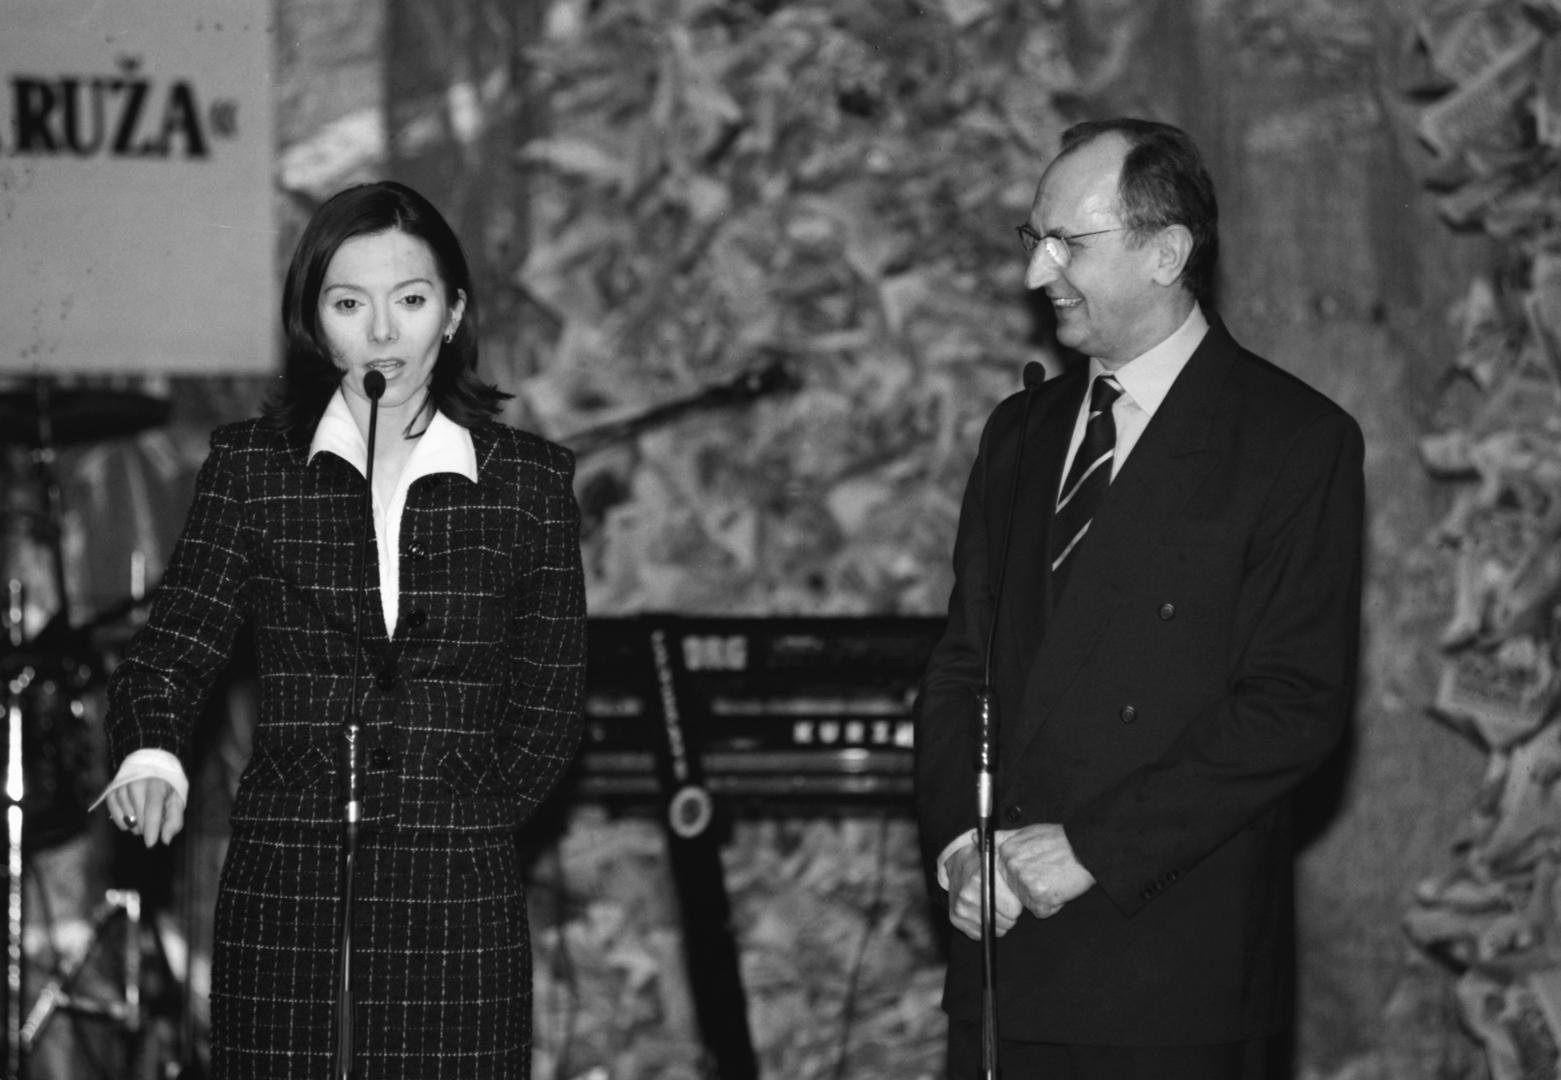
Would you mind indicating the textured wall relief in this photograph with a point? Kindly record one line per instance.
(776, 288)
(1486, 96)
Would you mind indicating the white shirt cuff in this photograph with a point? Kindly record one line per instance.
(960, 842)
(149, 765)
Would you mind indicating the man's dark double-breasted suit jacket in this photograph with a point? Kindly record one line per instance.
(1199, 664)
(470, 712)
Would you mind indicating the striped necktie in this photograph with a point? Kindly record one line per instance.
(1087, 479)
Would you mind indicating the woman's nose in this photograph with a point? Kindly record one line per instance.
(382, 327)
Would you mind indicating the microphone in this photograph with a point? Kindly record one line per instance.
(1034, 374)
(343, 1065)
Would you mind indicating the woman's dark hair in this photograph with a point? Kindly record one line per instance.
(309, 375)
(1164, 182)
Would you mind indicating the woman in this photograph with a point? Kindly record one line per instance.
(472, 668)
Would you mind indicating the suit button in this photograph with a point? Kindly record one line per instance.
(1128, 714)
(1013, 814)
(381, 758)
(416, 550)
(419, 618)
(387, 677)
(1167, 612)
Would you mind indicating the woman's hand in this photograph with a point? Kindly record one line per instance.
(150, 808)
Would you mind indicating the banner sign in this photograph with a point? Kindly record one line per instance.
(136, 162)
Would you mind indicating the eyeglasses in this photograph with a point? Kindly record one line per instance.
(1059, 246)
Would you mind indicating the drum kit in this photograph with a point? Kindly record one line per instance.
(55, 753)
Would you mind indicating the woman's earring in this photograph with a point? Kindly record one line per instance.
(449, 336)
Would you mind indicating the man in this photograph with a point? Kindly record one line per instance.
(1169, 661)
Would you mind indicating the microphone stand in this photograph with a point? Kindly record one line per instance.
(986, 764)
(343, 1067)
(986, 846)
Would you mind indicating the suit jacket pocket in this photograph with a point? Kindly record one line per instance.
(291, 767)
(461, 770)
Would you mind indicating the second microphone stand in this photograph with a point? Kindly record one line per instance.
(986, 845)
(344, 1067)
(986, 763)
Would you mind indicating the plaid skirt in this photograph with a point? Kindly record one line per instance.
(441, 958)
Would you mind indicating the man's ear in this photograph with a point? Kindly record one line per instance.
(1172, 247)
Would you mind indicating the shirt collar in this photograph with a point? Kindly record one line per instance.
(445, 447)
(1147, 379)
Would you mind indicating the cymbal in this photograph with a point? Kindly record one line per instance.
(77, 415)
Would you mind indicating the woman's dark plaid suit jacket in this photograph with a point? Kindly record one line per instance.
(470, 713)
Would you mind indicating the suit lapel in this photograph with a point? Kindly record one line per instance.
(447, 495)
(1174, 452)
(1040, 473)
